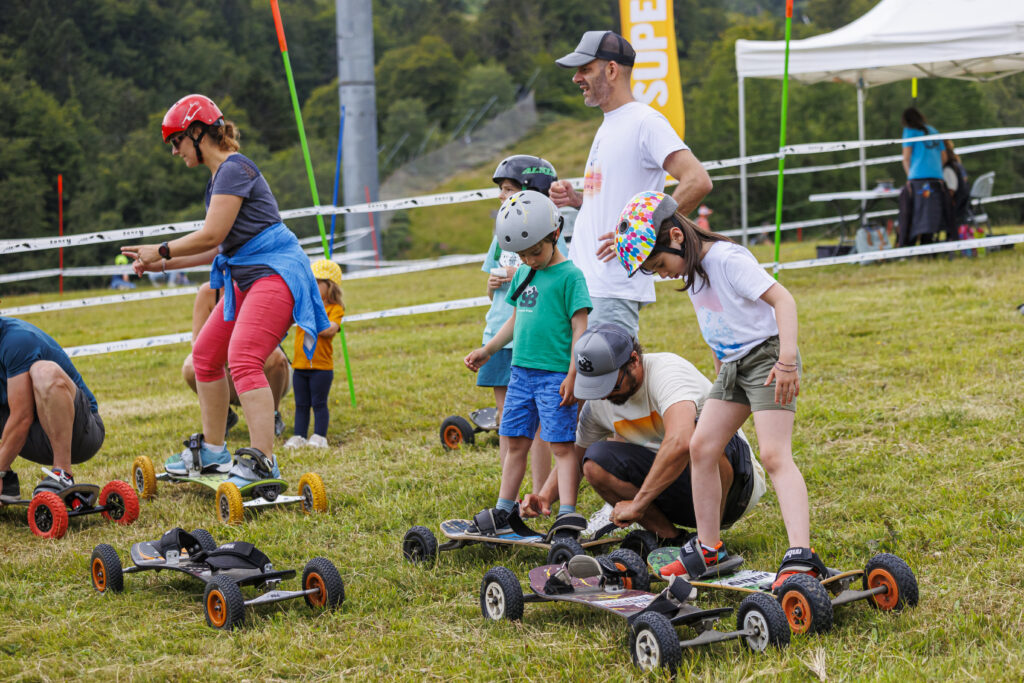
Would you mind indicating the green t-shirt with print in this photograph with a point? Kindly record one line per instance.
(543, 332)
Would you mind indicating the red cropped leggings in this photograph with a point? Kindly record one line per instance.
(262, 317)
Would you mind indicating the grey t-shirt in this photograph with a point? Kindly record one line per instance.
(239, 176)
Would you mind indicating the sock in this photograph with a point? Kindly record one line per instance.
(216, 449)
(505, 505)
(565, 509)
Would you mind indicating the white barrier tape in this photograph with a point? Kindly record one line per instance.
(902, 252)
(348, 235)
(98, 301)
(962, 151)
(443, 262)
(20, 245)
(168, 339)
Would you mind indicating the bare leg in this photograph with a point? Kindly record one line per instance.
(499, 403)
(188, 373)
(54, 394)
(540, 461)
(514, 468)
(213, 406)
(278, 373)
(775, 441)
(718, 422)
(206, 299)
(258, 406)
(568, 472)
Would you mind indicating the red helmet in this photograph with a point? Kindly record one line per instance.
(188, 110)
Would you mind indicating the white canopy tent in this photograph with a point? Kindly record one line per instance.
(898, 39)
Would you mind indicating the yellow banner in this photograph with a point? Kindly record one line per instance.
(649, 27)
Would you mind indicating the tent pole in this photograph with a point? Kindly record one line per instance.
(743, 166)
(860, 136)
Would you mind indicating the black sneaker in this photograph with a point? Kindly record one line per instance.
(232, 421)
(11, 489)
(278, 424)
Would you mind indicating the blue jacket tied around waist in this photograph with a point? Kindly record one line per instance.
(278, 248)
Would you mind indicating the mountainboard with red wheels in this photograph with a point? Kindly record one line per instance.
(232, 500)
(49, 512)
(457, 430)
(887, 581)
(225, 569)
(618, 584)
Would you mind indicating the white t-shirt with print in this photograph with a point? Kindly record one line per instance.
(730, 312)
(627, 156)
(668, 379)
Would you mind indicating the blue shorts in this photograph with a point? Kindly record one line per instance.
(533, 397)
(495, 372)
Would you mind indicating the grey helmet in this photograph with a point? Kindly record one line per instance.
(530, 172)
(525, 219)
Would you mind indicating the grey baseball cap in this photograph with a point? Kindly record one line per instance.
(600, 352)
(599, 45)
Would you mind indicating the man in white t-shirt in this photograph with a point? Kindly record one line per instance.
(651, 402)
(633, 149)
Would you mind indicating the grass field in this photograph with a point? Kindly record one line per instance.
(908, 433)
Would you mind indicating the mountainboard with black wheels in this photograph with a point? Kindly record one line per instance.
(231, 498)
(888, 584)
(618, 583)
(49, 511)
(224, 569)
(457, 430)
(420, 544)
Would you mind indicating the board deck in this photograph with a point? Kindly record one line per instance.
(624, 603)
(744, 580)
(455, 529)
(485, 418)
(213, 481)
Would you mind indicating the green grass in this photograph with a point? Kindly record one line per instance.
(908, 433)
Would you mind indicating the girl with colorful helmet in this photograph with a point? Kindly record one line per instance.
(312, 377)
(267, 283)
(513, 174)
(749, 320)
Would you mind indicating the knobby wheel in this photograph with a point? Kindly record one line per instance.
(320, 573)
(229, 503)
(144, 476)
(886, 569)
(806, 604)
(223, 602)
(653, 642)
(563, 549)
(314, 495)
(122, 500)
(626, 560)
(419, 545)
(47, 515)
(764, 618)
(501, 596)
(105, 569)
(456, 430)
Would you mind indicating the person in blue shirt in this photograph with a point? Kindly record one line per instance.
(47, 413)
(924, 203)
(267, 279)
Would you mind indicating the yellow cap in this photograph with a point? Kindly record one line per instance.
(327, 270)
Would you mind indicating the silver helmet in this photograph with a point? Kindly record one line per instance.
(525, 219)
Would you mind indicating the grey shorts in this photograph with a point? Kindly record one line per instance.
(742, 381)
(622, 312)
(87, 434)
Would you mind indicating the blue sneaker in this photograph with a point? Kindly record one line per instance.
(210, 462)
(250, 464)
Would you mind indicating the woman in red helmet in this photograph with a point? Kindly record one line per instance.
(267, 283)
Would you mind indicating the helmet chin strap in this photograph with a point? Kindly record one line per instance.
(196, 141)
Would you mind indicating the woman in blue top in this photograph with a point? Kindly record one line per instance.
(924, 207)
(267, 283)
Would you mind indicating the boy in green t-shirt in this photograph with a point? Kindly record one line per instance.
(551, 305)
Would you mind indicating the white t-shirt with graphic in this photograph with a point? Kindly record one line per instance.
(627, 156)
(730, 312)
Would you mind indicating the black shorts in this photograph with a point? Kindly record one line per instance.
(631, 462)
(87, 434)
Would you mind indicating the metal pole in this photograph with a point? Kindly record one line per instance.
(860, 136)
(357, 94)
(743, 167)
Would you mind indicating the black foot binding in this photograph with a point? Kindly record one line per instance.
(800, 561)
(490, 522)
(569, 524)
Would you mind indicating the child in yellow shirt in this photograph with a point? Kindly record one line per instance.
(312, 379)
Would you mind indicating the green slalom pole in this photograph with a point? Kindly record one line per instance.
(782, 141)
(279, 25)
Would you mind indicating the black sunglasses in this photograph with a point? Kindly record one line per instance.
(176, 139)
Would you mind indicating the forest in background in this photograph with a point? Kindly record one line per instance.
(85, 83)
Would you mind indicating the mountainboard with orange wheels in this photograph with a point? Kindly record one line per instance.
(49, 512)
(232, 500)
(457, 430)
(887, 581)
(618, 584)
(224, 569)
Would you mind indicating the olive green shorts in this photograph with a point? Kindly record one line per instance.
(742, 381)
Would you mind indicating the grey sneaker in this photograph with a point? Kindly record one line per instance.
(11, 488)
(278, 424)
(232, 421)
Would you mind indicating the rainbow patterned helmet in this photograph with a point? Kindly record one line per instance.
(327, 270)
(638, 227)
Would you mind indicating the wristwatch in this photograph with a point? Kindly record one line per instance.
(164, 250)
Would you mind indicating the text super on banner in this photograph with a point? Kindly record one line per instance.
(649, 27)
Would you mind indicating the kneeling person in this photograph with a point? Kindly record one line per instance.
(651, 402)
(47, 413)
